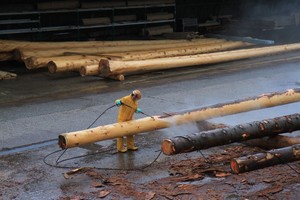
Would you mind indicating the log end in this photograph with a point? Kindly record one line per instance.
(104, 67)
(52, 67)
(234, 166)
(30, 62)
(62, 142)
(168, 147)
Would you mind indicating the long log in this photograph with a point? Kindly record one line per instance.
(111, 67)
(77, 138)
(269, 158)
(10, 45)
(95, 21)
(180, 51)
(238, 133)
(22, 54)
(55, 66)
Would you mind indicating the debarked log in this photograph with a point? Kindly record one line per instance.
(238, 133)
(55, 66)
(111, 67)
(180, 51)
(265, 159)
(23, 53)
(78, 138)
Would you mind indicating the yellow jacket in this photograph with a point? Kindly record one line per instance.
(125, 112)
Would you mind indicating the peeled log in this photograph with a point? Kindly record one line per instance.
(89, 70)
(238, 133)
(10, 45)
(269, 158)
(180, 51)
(78, 138)
(111, 67)
(38, 62)
(55, 66)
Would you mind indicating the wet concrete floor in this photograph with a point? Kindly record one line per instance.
(38, 106)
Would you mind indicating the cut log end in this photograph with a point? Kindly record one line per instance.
(52, 67)
(62, 142)
(168, 147)
(104, 69)
(234, 166)
(30, 62)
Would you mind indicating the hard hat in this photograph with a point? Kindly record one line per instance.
(137, 94)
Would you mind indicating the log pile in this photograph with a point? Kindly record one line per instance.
(85, 56)
(113, 59)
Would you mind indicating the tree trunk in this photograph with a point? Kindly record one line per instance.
(241, 132)
(38, 62)
(10, 45)
(180, 51)
(55, 66)
(22, 53)
(89, 70)
(110, 67)
(269, 158)
(111, 131)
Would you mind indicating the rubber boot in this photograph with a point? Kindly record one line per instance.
(130, 143)
(120, 146)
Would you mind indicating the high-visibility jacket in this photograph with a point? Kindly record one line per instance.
(125, 112)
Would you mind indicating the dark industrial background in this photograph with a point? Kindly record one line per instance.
(64, 20)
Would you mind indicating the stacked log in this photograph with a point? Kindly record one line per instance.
(111, 67)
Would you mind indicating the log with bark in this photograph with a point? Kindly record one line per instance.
(78, 138)
(265, 159)
(111, 67)
(238, 133)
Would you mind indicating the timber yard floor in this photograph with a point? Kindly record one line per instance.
(38, 106)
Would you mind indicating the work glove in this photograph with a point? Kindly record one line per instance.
(138, 110)
(118, 102)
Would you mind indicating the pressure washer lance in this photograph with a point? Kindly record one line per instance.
(135, 109)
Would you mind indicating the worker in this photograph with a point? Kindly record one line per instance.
(128, 106)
